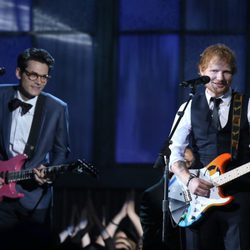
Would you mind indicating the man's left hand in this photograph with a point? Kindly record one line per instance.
(40, 176)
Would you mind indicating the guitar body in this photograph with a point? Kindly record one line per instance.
(13, 165)
(187, 208)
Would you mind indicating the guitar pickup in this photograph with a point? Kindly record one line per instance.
(187, 196)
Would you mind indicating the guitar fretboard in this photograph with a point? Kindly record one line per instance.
(231, 175)
(13, 173)
(19, 176)
(28, 174)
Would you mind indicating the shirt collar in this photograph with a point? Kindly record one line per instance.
(30, 101)
(226, 98)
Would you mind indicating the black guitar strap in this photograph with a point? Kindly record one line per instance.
(34, 131)
(32, 140)
(236, 119)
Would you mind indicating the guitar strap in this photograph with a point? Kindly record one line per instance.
(32, 140)
(236, 119)
(34, 131)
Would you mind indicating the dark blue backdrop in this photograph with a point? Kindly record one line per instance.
(158, 43)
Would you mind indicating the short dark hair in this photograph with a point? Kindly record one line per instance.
(40, 55)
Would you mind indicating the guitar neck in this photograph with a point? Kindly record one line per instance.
(231, 175)
(28, 174)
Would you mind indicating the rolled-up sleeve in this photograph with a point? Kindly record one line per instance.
(180, 136)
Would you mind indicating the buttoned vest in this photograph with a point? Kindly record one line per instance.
(209, 142)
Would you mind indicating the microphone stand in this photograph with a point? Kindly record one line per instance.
(166, 154)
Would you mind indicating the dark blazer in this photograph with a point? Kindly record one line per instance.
(52, 145)
(151, 220)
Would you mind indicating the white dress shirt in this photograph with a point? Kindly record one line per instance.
(20, 127)
(180, 137)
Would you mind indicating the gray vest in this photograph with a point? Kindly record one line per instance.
(209, 142)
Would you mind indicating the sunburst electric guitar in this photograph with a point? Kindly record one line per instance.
(11, 172)
(187, 208)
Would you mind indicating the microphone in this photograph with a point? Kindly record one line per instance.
(2, 71)
(194, 82)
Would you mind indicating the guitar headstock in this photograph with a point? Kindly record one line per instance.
(81, 166)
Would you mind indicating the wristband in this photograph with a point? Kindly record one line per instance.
(191, 176)
(114, 223)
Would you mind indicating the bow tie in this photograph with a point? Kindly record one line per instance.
(15, 103)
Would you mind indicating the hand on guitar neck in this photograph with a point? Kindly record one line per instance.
(40, 176)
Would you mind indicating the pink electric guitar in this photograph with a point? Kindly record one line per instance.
(11, 172)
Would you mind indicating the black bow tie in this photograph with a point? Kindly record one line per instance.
(15, 103)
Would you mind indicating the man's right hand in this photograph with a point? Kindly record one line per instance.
(196, 185)
(200, 187)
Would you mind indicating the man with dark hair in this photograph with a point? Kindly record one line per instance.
(33, 134)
